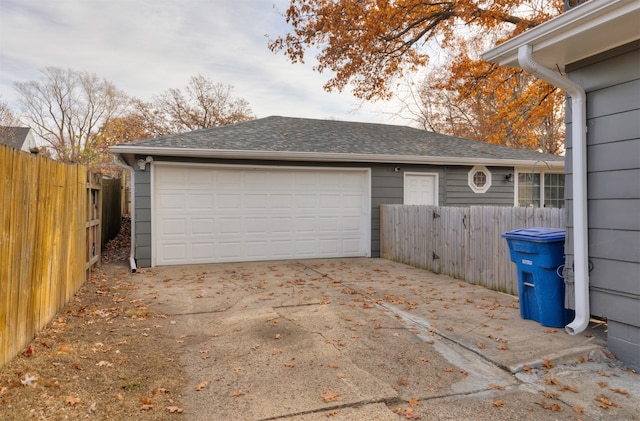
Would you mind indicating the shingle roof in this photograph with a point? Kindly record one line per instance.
(301, 135)
(13, 136)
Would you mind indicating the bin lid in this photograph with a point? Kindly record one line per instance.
(538, 235)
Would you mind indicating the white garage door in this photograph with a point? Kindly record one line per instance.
(231, 214)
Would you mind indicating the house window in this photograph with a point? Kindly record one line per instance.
(541, 190)
(479, 179)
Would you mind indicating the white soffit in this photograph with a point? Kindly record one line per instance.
(587, 30)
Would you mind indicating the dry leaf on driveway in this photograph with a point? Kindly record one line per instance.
(329, 396)
(174, 409)
(202, 385)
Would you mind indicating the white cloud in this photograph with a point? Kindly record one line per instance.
(147, 47)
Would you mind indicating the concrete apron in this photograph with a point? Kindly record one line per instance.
(370, 339)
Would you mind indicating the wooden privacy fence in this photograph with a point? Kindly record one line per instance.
(43, 243)
(464, 243)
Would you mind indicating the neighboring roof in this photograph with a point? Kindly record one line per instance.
(584, 31)
(285, 138)
(14, 136)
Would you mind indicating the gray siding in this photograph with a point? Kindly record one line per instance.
(459, 194)
(612, 83)
(387, 187)
(142, 211)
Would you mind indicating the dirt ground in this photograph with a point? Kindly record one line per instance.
(98, 358)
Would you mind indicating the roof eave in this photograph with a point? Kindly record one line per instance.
(589, 29)
(127, 152)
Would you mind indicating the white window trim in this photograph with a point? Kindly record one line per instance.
(436, 187)
(472, 185)
(542, 172)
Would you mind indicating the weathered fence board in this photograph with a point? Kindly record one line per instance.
(464, 243)
(42, 241)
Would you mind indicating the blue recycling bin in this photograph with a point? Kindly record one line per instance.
(538, 253)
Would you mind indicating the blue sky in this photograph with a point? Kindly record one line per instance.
(148, 46)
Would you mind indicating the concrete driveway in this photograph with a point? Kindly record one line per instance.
(370, 339)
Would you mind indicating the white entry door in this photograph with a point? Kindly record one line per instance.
(420, 188)
(207, 214)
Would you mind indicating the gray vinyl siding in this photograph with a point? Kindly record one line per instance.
(387, 187)
(459, 194)
(142, 212)
(612, 83)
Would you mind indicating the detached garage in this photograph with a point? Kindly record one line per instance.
(286, 188)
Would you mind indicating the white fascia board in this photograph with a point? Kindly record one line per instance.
(589, 29)
(322, 157)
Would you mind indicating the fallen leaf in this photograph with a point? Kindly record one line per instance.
(548, 364)
(526, 368)
(104, 364)
(160, 391)
(146, 407)
(238, 393)
(64, 349)
(332, 413)
(30, 350)
(329, 396)
(497, 386)
(413, 402)
(605, 402)
(498, 403)
(289, 365)
(480, 345)
(502, 347)
(333, 365)
(145, 400)
(201, 385)
(603, 374)
(72, 400)
(174, 409)
(278, 336)
(603, 384)
(578, 410)
(620, 391)
(409, 414)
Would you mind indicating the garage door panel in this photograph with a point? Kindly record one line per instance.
(203, 251)
(228, 201)
(236, 214)
(230, 226)
(174, 227)
(168, 202)
(199, 201)
(202, 227)
(256, 201)
(329, 224)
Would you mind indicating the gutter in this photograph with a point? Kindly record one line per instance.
(579, 157)
(132, 260)
(326, 156)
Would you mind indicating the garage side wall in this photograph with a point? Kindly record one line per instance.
(142, 212)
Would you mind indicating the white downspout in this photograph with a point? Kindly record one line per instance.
(132, 260)
(579, 138)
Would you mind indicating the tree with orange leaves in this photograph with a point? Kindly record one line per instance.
(370, 44)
